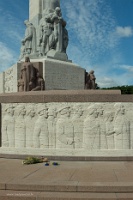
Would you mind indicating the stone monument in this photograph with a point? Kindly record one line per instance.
(65, 119)
(45, 43)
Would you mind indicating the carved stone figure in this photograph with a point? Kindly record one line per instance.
(110, 131)
(8, 122)
(122, 129)
(52, 127)
(59, 23)
(46, 38)
(30, 38)
(90, 80)
(90, 129)
(20, 127)
(22, 50)
(78, 127)
(40, 85)
(21, 84)
(28, 74)
(101, 139)
(41, 135)
(64, 129)
(29, 121)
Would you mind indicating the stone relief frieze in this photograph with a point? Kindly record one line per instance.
(68, 125)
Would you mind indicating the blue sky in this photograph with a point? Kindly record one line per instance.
(100, 36)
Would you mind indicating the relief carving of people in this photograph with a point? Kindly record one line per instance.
(122, 129)
(101, 136)
(29, 121)
(78, 127)
(64, 129)
(20, 127)
(52, 127)
(41, 134)
(90, 129)
(110, 131)
(8, 123)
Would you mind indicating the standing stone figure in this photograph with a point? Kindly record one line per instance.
(21, 84)
(20, 127)
(46, 38)
(101, 136)
(90, 80)
(28, 74)
(77, 121)
(40, 134)
(30, 38)
(52, 127)
(64, 129)
(8, 122)
(110, 131)
(59, 23)
(90, 129)
(122, 129)
(29, 121)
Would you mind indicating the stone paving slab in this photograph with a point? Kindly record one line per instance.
(71, 178)
(24, 195)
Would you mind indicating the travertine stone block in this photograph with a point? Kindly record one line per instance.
(10, 77)
(59, 75)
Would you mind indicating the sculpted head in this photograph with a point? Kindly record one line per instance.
(26, 22)
(27, 59)
(58, 11)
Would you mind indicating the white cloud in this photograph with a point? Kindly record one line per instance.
(7, 57)
(91, 27)
(124, 31)
(106, 82)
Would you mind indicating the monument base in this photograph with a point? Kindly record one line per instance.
(57, 55)
(72, 123)
(58, 75)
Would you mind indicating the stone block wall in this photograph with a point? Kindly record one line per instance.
(67, 128)
(70, 123)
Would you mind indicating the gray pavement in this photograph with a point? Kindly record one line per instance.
(68, 180)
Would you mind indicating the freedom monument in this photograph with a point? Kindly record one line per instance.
(45, 109)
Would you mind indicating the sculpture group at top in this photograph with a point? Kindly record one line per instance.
(50, 34)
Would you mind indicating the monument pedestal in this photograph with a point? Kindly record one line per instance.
(58, 75)
(67, 123)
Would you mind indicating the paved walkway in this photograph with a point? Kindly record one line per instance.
(72, 180)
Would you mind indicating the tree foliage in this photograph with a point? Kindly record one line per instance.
(125, 89)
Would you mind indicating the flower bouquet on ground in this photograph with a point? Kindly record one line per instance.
(33, 160)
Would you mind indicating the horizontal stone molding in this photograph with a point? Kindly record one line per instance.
(66, 96)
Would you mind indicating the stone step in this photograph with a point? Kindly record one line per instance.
(30, 195)
(70, 186)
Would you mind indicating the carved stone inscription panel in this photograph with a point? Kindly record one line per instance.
(68, 125)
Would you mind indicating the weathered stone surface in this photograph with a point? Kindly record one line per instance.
(67, 128)
(59, 75)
